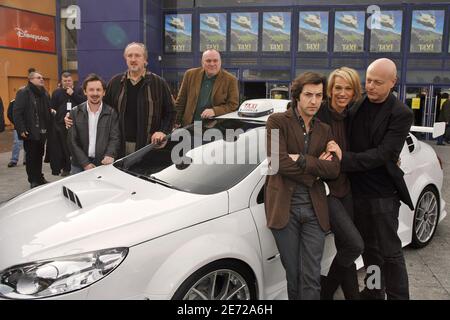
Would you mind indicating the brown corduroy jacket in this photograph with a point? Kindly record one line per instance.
(224, 95)
(279, 187)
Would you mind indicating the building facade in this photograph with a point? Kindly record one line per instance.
(264, 43)
(28, 39)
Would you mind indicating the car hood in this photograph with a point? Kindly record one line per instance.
(117, 210)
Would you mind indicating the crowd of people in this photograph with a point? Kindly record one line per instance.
(98, 123)
(331, 132)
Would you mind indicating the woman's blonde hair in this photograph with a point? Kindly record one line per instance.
(348, 74)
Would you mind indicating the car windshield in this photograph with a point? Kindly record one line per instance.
(204, 158)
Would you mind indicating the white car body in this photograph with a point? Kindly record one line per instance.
(170, 234)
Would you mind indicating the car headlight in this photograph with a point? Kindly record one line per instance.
(60, 275)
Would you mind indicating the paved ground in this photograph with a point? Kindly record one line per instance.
(5, 138)
(428, 268)
(13, 181)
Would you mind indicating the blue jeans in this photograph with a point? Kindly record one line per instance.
(300, 244)
(17, 145)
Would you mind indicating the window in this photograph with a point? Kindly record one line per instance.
(196, 170)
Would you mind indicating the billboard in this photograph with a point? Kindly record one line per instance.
(426, 31)
(313, 31)
(276, 31)
(349, 31)
(213, 31)
(178, 33)
(244, 31)
(28, 31)
(386, 31)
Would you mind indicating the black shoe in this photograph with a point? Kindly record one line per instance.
(55, 173)
(374, 294)
(24, 163)
(43, 181)
(12, 164)
(440, 144)
(65, 173)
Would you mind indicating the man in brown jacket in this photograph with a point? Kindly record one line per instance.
(207, 91)
(295, 200)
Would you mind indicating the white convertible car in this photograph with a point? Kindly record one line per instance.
(175, 223)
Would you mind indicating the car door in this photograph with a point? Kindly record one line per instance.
(274, 274)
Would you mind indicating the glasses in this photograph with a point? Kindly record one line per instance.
(40, 78)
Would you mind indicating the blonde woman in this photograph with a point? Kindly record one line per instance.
(344, 87)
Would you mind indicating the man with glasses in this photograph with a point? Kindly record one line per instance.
(32, 119)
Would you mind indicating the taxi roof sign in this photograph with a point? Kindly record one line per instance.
(256, 108)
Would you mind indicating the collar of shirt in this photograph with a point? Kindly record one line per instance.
(205, 77)
(302, 122)
(133, 81)
(89, 108)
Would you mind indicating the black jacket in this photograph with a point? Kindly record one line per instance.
(388, 134)
(155, 107)
(444, 115)
(324, 113)
(24, 113)
(10, 111)
(107, 140)
(59, 102)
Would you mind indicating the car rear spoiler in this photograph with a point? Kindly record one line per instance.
(437, 130)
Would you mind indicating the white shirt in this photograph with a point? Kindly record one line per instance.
(93, 121)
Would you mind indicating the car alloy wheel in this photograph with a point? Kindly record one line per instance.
(426, 217)
(220, 280)
(219, 285)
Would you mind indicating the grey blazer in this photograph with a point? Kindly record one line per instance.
(107, 140)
